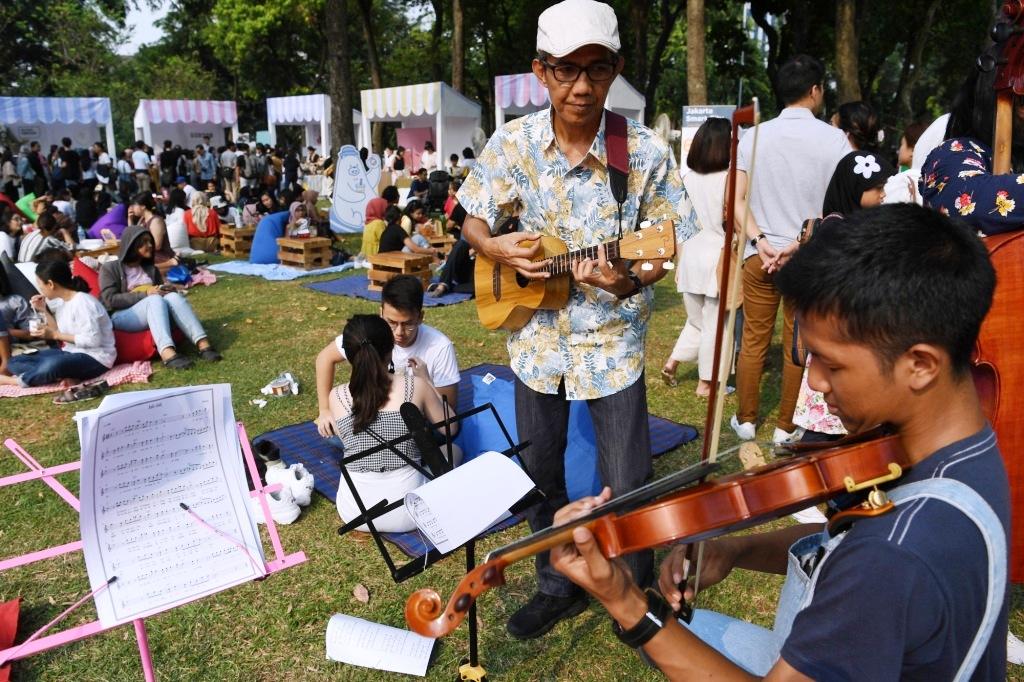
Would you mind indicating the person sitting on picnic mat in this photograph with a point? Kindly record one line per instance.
(134, 292)
(402, 309)
(366, 413)
(79, 322)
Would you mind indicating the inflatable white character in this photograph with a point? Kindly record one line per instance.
(354, 186)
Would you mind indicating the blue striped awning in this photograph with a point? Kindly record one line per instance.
(15, 110)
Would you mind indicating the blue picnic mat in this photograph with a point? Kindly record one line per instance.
(357, 287)
(301, 442)
(273, 271)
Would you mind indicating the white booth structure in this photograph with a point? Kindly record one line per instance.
(185, 121)
(523, 93)
(48, 119)
(313, 113)
(428, 111)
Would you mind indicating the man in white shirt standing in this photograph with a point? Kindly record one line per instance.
(141, 162)
(796, 156)
(415, 342)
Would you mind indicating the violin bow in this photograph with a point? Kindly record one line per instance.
(725, 325)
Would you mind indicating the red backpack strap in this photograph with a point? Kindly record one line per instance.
(618, 156)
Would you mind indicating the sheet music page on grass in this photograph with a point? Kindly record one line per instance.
(466, 501)
(372, 645)
(141, 460)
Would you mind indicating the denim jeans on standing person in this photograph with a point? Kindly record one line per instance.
(623, 455)
(155, 314)
(49, 365)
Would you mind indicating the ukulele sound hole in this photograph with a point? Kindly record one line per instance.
(522, 281)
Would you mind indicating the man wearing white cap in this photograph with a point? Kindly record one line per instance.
(555, 164)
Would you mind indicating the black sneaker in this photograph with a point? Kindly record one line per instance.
(542, 612)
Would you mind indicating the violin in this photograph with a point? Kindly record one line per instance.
(648, 517)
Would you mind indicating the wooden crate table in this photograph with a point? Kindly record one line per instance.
(442, 244)
(384, 266)
(308, 254)
(236, 242)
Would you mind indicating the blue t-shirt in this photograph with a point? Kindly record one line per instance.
(902, 596)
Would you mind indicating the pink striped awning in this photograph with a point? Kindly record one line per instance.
(189, 111)
(518, 90)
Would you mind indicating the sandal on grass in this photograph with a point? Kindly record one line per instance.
(82, 392)
(179, 361)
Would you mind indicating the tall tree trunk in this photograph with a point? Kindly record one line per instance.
(912, 64)
(696, 74)
(376, 77)
(339, 68)
(847, 60)
(639, 12)
(671, 10)
(458, 48)
(435, 39)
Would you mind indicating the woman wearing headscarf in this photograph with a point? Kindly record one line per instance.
(374, 227)
(202, 223)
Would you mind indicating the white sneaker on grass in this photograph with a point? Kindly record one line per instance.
(809, 515)
(745, 431)
(282, 507)
(781, 437)
(296, 478)
(1014, 649)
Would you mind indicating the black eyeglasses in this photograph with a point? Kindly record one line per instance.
(569, 73)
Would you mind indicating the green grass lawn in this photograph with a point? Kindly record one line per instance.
(274, 630)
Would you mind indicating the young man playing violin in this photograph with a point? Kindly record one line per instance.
(889, 305)
(555, 164)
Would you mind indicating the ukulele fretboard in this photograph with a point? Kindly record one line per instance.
(562, 264)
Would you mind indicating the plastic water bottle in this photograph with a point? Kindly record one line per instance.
(81, 234)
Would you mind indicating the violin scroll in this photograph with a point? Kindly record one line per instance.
(423, 609)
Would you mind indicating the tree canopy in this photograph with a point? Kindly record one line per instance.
(908, 57)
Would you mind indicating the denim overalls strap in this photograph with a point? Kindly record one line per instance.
(798, 590)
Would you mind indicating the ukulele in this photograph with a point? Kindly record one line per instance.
(507, 300)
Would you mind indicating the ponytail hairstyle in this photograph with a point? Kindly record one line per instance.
(145, 200)
(59, 272)
(368, 342)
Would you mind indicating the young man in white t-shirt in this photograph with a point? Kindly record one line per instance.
(415, 342)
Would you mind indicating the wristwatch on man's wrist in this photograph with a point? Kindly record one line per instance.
(657, 616)
(637, 286)
(759, 237)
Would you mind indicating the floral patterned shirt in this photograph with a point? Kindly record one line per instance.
(957, 180)
(596, 343)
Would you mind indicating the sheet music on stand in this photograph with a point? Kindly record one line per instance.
(144, 454)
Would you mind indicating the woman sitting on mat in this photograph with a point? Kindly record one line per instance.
(80, 322)
(366, 413)
(134, 292)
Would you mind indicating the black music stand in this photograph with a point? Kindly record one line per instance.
(470, 668)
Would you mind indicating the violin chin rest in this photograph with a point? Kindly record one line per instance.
(844, 519)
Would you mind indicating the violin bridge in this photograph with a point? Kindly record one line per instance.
(751, 455)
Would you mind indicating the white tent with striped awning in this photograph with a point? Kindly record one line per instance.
(436, 110)
(185, 122)
(313, 113)
(522, 93)
(48, 119)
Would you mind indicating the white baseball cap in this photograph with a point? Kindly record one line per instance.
(571, 24)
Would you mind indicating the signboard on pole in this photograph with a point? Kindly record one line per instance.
(692, 119)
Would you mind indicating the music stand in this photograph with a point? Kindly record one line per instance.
(470, 668)
(37, 471)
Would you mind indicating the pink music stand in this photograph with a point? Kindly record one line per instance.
(36, 471)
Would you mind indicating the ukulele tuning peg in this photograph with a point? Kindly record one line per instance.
(647, 266)
(668, 265)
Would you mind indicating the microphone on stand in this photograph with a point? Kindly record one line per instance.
(423, 436)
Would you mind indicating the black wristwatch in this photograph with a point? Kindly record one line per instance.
(637, 286)
(657, 616)
(755, 240)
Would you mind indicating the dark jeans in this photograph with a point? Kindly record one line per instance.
(457, 274)
(51, 365)
(624, 461)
